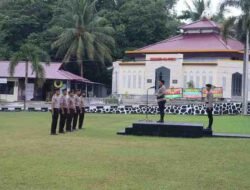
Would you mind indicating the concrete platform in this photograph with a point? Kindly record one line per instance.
(175, 129)
(166, 129)
(230, 135)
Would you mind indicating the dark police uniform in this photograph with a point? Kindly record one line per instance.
(72, 110)
(55, 112)
(82, 113)
(209, 105)
(161, 101)
(77, 113)
(63, 113)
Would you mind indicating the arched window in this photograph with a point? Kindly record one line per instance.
(236, 84)
(134, 82)
(204, 79)
(139, 79)
(129, 79)
(211, 77)
(197, 80)
(224, 83)
(185, 80)
(191, 76)
(124, 79)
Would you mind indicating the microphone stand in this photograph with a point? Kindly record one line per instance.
(147, 106)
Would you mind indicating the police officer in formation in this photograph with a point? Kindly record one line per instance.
(82, 111)
(64, 111)
(55, 108)
(71, 109)
(77, 109)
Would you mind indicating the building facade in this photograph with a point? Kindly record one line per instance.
(199, 55)
(12, 87)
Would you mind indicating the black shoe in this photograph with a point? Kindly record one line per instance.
(160, 121)
(61, 132)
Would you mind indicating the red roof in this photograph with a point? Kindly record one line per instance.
(52, 71)
(194, 42)
(201, 24)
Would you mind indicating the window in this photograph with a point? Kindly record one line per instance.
(197, 82)
(7, 88)
(224, 83)
(124, 79)
(129, 80)
(139, 80)
(134, 80)
(236, 84)
(185, 81)
(204, 80)
(191, 77)
(210, 77)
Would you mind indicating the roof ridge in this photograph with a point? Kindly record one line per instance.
(189, 24)
(222, 41)
(213, 23)
(210, 22)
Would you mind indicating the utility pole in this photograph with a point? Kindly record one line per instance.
(245, 76)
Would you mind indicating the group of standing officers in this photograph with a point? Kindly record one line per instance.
(70, 107)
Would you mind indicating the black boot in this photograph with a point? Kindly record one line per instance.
(161, 120)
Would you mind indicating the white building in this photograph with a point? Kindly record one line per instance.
(199, 55)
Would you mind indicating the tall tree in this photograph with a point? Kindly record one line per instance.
(85, 35)
(195, 9)
(199, 8)
(33, 55)
(139, 23)
(241, 26)
(20, 19)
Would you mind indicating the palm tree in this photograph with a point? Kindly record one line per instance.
(241, 28)
(201, 8)
(85, 35)
(195, 9)
(33, 55)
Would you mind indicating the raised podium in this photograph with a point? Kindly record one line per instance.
(167, 129)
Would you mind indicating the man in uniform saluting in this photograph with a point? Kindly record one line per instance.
(72, 110)
(77, 103)
(209, 105)
(82, 111)
(63, 111)
(161, 100)
(55, 107)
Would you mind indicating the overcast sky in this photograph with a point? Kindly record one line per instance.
(214, 6)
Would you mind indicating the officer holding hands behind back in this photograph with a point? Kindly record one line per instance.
(55, 108)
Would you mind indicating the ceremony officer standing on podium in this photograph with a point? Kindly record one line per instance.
(55, 107)
(209, 105)
(161, 100)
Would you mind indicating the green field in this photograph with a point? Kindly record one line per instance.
(98, 159)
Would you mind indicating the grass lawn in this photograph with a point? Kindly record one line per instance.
(98, 159)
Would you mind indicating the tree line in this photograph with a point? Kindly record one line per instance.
(87, 35)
